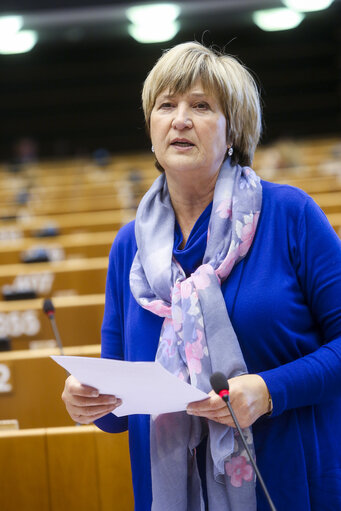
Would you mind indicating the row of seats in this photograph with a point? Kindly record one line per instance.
(49, 464)
(68, 221)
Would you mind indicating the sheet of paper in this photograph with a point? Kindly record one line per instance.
(144, 387)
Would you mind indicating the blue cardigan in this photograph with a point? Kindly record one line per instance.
(284, 301)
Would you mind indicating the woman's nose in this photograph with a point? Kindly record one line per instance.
(182, 119)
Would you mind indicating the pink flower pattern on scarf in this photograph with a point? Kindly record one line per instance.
(239, 470)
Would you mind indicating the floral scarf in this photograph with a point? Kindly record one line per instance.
(197, 339)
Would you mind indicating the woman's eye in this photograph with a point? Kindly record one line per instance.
(166, 105)
(202, 106)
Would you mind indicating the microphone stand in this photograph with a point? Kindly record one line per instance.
(221, 387)
(49, 310)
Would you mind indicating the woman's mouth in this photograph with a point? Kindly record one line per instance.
(182, 143)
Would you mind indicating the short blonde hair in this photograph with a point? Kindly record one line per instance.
(222, 75)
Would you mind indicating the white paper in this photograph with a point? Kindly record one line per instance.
(144, 387)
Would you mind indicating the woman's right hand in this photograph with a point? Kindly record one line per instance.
(84, 404)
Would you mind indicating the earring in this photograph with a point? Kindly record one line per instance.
(230, 151)
(153, 151)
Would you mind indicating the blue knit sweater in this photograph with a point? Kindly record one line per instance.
(284, 301)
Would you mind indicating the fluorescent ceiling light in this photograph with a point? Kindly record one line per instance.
(307, 5)
(153, 23)
(10, 25)
(153, 13)
(277, 19)
(20, 42)
(155, 34)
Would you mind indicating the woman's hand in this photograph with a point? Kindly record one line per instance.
(249, 398)
(84, 404)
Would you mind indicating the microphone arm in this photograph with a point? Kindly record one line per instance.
(221, 387)
(49, 310)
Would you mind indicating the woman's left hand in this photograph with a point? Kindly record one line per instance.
(249, 398)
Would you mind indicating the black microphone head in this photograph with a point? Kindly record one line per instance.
(219, 382)
(48, 306)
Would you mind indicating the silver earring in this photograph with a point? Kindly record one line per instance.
(153, 151)
(230, 151)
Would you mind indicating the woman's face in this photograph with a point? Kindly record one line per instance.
(188, 131)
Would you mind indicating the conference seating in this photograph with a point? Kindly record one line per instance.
(335, 220)
(79, 320)
(330, 202)
(66, 468)
(31, 384)
(314, 184)
(73, 276)
(77, 246)
(25, 226)
(112, 183)
(297, 153)
(72, 205)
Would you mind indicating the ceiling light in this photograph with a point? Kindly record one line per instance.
(153, 23)
(10, 24)
(307, 5)
(277, 19)
(155, 34)
(20, 42)
(153, 13)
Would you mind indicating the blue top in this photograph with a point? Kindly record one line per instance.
(284, 301)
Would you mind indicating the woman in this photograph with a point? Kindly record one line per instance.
(222, 271)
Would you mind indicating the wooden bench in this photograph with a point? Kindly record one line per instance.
(31, 384)
(97, 221)
(81, 245)
(313, 185)
(335, 220)
(69, 469)
(72, 205)
(111, 183)
(79, 319)
(330, 202)
(73, 276)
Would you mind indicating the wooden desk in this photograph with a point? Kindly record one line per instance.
(79, 320)
(73, 276)
(31, 385)
(76, 223)
(82, 245)
(330, 202)
(71, 468)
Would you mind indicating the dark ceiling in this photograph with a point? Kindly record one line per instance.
(79, 89)
(42, 5)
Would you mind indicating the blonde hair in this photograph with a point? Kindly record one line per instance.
(221, 75)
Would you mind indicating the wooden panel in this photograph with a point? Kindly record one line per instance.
(67, 223)
(335, 220)
(330, 202)
(80, 245)
(95, 189)
(79, 319)
(318, 184)
(37, 384)
(53, 207)
(74, 276)
(115, 484)
(72, 469)
(23, 481)
(65, 469)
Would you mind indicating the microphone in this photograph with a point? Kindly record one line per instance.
(49, 310)
(221, 387)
